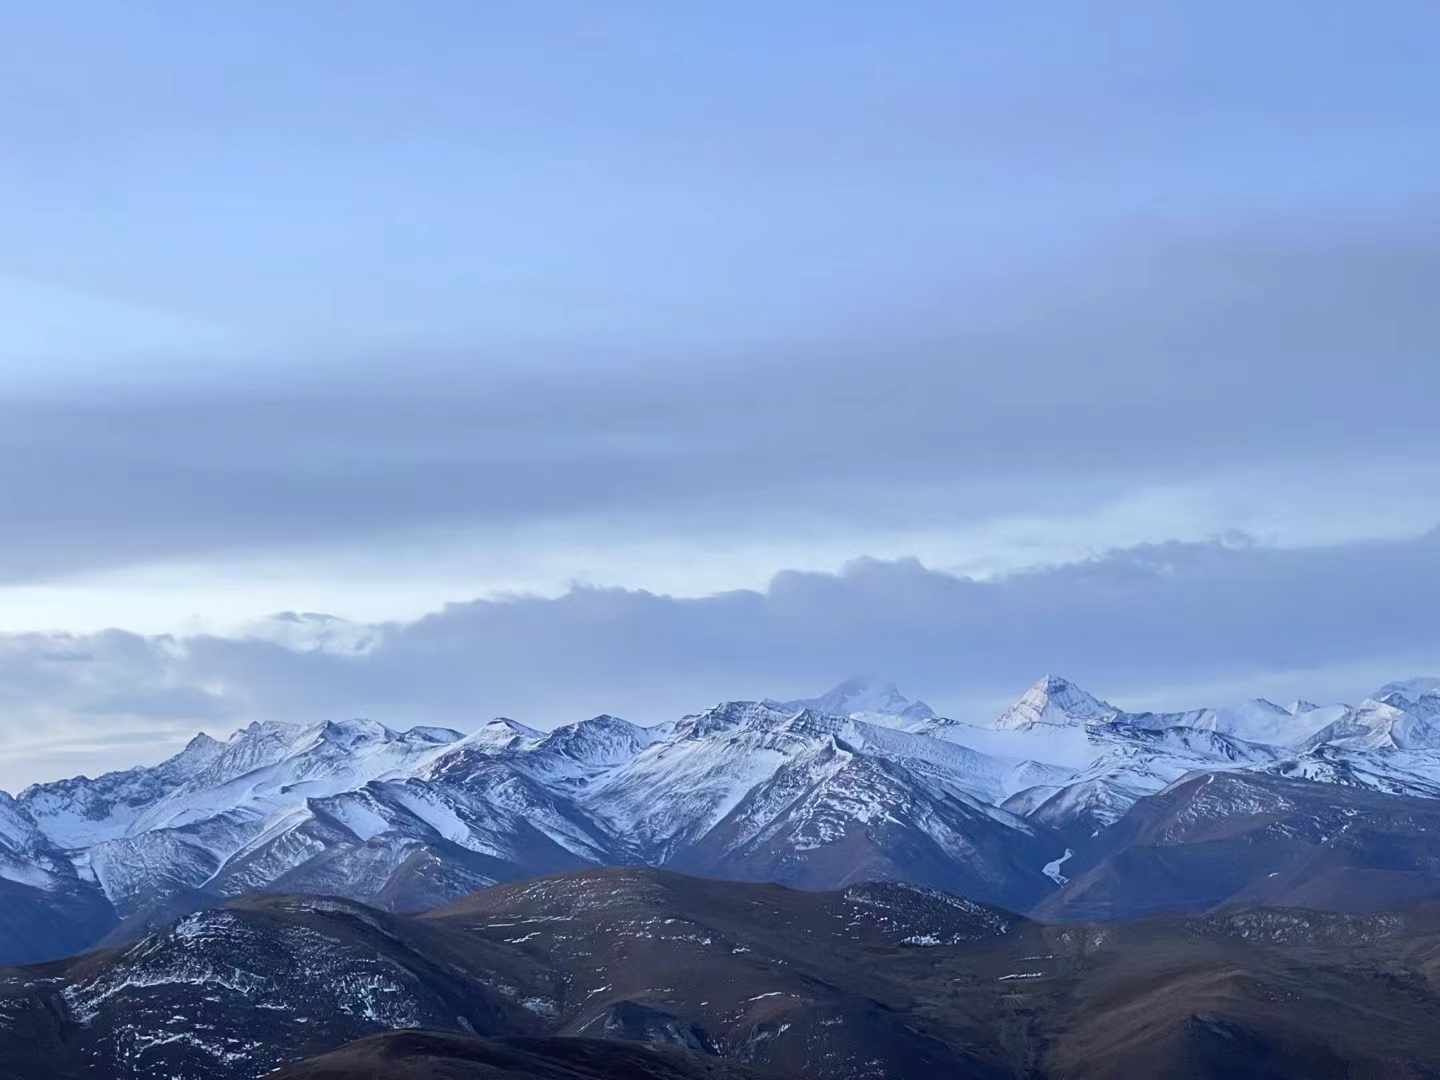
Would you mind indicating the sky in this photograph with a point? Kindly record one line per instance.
(620, 357)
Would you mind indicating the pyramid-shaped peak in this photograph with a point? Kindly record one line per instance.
(198, 752)
(201, 748)
(1061, 691)
(1055, 701)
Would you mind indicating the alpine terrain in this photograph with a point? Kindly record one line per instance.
(1064, 806)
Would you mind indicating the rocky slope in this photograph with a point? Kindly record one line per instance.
(730, 979)
(1225, 839)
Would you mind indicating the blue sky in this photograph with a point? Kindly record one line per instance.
(309, 183)
(369, 307)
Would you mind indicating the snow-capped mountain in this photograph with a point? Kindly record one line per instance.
(859, 783)
(1053, 701)
(865, 698)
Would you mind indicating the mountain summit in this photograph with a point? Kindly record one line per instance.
(865, 697)
(1054, 701)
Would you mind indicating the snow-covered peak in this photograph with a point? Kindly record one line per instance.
(338, 739)
(1263, 721)
(260, 744)
(1054, 701)
(503, 734)
(1410, 689)
(1423, 707)
(1392, 723)
(729, 715)
(602, 741)
(268, 771)
(864, 698)
(19, 835)
(198, 752)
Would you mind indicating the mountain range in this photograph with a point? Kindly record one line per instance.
(1064, 806)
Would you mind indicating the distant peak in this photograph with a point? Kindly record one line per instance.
(1409, 689)
(1056, 701)
(198, 752)
(865, 684)
(862, 694)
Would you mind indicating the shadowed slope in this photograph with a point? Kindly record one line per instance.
(875, 980)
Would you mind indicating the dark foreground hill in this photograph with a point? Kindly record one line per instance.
(874, 981)
(1221, 840)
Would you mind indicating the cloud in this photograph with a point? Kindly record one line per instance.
(1159, 357)
(1142, 626)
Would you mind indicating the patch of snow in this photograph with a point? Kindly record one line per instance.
(1052, 868)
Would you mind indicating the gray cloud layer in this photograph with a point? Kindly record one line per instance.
(1157, 357)
(1135, 625)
